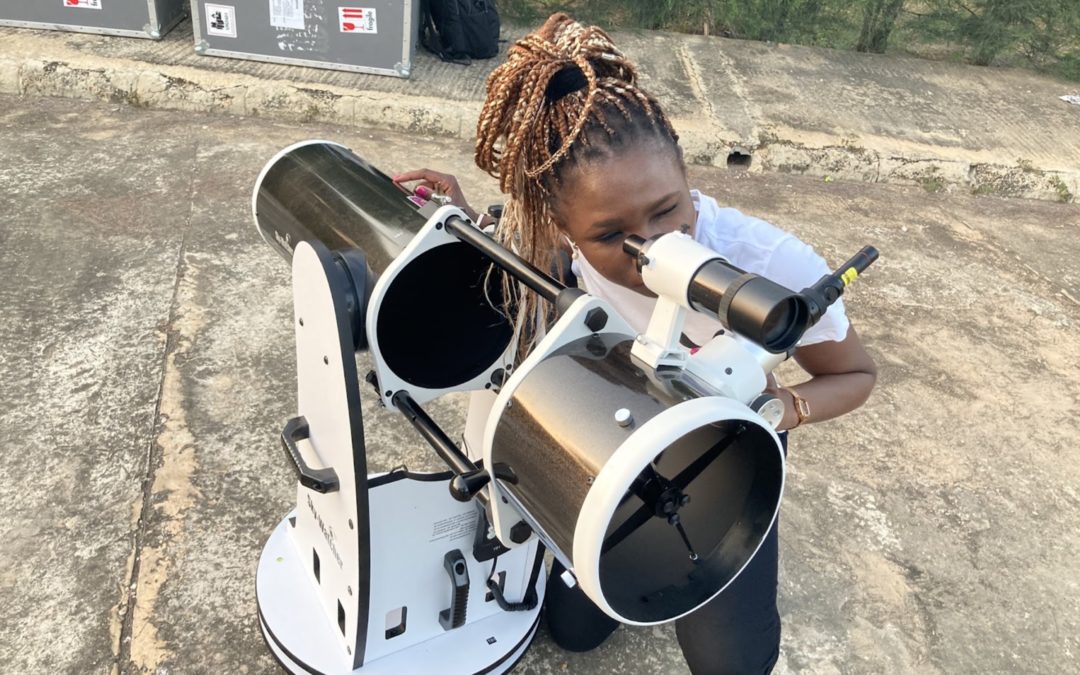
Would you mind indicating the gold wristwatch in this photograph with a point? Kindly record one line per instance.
(802, 408)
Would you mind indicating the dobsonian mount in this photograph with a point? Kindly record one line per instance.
(652, 474)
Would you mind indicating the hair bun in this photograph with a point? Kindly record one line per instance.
(565, 81)
(577, 43)
(553, 81)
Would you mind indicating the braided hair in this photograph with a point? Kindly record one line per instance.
(565, 96)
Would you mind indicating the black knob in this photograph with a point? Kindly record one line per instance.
(520, 532)
(464, 486)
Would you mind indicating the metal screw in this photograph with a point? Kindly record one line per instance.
(623, 417)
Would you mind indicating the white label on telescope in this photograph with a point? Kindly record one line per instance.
(220, 20)
(357, 20)
(454, 527)
(87, 4)
(287, 14)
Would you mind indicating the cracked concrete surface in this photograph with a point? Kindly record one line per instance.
(146, 365)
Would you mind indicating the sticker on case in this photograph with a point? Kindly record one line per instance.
(89, 4)
(357, 20)
(220, 20)
(287, 14)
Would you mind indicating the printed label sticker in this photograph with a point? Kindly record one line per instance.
(89, 4)
(357, 20)
(287, 14)
(220, 20)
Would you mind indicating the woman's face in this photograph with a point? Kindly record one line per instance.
(640, 191)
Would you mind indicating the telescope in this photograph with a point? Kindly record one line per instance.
(652, 474)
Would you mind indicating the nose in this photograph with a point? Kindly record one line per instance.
(649, 230)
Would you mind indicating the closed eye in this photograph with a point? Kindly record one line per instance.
(666, 211)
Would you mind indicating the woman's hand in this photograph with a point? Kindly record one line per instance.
(442, 183)
(842, 376)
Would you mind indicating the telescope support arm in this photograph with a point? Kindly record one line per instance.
(444, 447)
(548, 288)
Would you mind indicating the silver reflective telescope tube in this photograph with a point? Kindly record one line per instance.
(656, 497)
(446, 327)
(317, 190)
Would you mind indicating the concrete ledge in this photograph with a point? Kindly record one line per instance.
(849, 162)
(717, 107)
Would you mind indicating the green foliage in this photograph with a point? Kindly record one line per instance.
(1044, 34)
(814, 22)
(1062, 190)
(879, 18)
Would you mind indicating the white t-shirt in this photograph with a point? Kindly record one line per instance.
(750, 244)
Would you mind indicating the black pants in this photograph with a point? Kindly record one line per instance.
(738, 632)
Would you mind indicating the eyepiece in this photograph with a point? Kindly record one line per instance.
(752, 306)
(636, 247)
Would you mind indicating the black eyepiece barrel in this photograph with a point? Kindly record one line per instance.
(761, 310)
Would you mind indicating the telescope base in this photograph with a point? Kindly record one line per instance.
(304, 640)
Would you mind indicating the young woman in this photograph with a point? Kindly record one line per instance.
(586, 157)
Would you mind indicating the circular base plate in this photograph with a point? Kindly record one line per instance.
(304, 639)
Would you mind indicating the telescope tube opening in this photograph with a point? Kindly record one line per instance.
(647, 572)
(444, 327)
(602, 492)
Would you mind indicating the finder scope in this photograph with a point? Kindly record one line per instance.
(748, 304)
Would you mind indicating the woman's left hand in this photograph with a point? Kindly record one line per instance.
(442, 183)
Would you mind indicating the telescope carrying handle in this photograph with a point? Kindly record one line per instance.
(455, 615)
(319, 480)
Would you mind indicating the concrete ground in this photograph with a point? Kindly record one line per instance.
(801, 110)
(146, 366)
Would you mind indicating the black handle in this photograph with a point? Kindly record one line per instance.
(831, 286)
(454, 616)
(319, 480)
